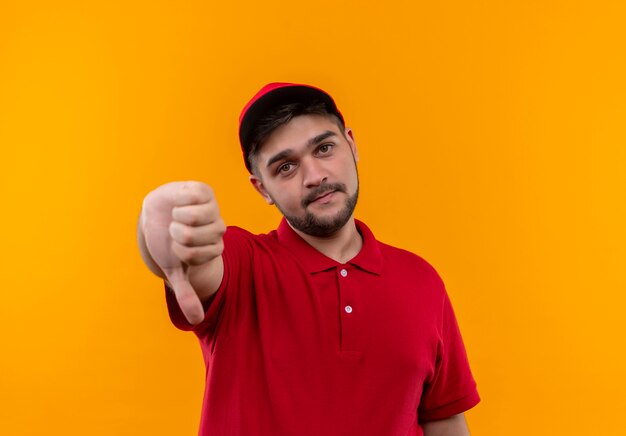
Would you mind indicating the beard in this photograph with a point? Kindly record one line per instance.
(313, 225)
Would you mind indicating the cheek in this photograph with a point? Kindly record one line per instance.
(285, 196)
(351, 171)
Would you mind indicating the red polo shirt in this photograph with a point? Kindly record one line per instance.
(296, 343)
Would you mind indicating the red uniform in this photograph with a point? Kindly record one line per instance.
(296, 343)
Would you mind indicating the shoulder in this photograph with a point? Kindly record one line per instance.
(413, 271)
(238, 241)
(234, 233)
(402, 263)
(404, 258)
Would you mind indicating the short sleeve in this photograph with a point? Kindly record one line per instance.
(452, 389)
(237, 257)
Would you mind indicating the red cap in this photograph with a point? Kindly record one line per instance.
(271, 96)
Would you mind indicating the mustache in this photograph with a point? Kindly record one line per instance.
(322, 189)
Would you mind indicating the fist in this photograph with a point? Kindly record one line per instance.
(182, 227)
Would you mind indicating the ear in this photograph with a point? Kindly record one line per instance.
(260, 188)
(350, 138)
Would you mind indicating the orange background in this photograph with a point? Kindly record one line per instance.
(492, 143)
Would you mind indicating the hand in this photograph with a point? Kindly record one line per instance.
(182, 227)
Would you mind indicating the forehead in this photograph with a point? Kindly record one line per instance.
(296, 133)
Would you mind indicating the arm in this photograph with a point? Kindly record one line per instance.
(180, 239)
(453, 426)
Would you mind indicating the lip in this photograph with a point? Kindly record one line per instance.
(324, 198)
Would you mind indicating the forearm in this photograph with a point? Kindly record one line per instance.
(206, 278)
(453, 426)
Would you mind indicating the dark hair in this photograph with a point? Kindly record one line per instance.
(280, 116)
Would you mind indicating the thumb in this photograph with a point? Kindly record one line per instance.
(186, 297)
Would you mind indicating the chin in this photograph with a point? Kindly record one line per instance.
(324, 224)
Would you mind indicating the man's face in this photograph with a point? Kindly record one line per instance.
(307, 167)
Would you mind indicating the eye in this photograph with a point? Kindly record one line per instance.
(284, 168)
(325, 148)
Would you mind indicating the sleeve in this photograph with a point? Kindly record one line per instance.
(237, 256)
(452, 388)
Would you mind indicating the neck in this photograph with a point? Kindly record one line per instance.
(341, 246)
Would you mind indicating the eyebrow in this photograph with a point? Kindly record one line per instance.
(313, 141)
(319, 138)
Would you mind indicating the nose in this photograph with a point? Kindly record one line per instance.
(314, 173)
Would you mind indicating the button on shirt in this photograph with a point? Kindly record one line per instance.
(297, 344)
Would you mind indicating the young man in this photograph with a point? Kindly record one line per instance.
(315, 328)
